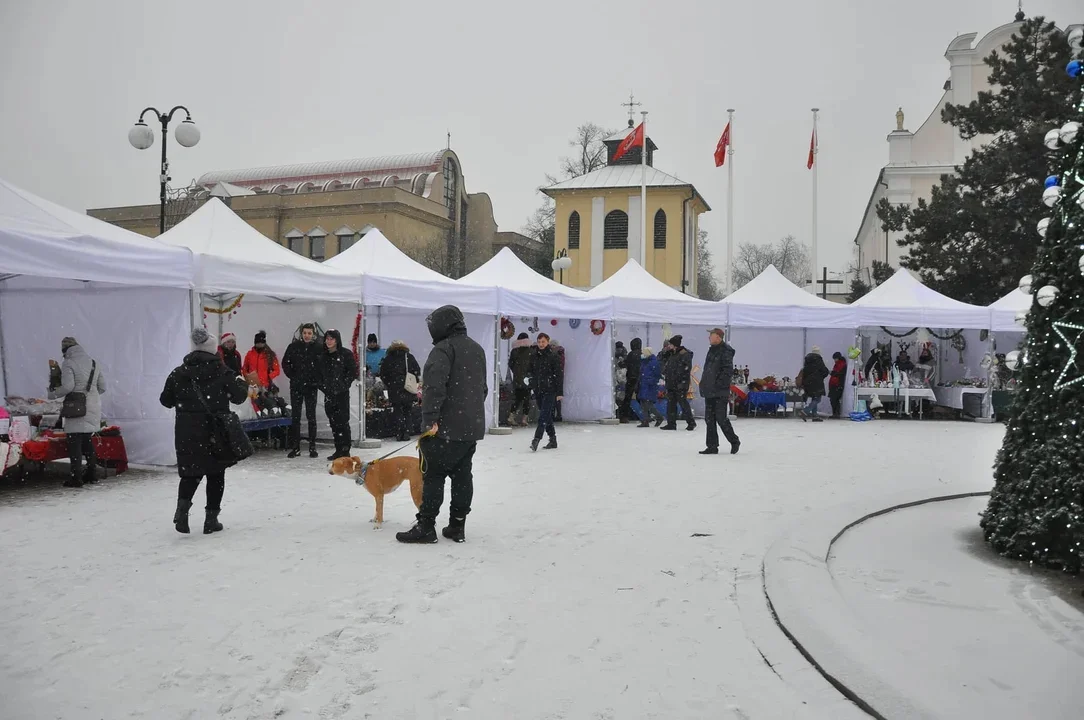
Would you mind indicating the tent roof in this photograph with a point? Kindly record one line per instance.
(903, 301)
(632, 281)
(771, 300)
(506, 270)
(640, 296)
(1003, 312)
(42, 239)
(233, 256)
(375, 255)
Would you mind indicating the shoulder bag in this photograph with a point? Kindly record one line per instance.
(410, 384)
(75, 402)
(229, 441)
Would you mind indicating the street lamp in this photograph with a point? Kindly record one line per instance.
(142, 137)
(561, 263)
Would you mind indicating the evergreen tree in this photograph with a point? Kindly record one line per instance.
(975, 237)
(1036, 510)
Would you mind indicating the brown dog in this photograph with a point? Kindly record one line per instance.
(382, 477)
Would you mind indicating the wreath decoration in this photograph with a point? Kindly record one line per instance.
(226, 310)
(508, 330)
(597, 327)
(574, 323)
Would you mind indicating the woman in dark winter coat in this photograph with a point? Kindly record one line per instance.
(393, 370)
(519, 364)
(227, 350)
(814, 371)
(632, 378)
(200, 387)
(678, 372)
(647, 391)
(338, 370)
(836, 384)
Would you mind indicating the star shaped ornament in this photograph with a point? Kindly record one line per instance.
(1064, 330)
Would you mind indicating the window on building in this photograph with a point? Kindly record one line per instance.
(615, 231)
(660, 230)
(574, 231)
(347, 241)
(295, 240)
(450, 186)
(316, 248)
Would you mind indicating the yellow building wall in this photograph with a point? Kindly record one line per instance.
(579, 275)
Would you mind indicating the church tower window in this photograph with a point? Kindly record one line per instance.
(660, 230)
(574, 231)
(615, 231)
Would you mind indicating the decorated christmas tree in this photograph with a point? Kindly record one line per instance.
(1036, 510)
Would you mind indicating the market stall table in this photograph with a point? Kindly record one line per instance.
(767, 401)
(108, 449)
(905, 394)
(953, 397)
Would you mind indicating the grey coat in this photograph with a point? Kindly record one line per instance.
(74, 374)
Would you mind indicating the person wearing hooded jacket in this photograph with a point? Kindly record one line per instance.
(338, 369)
(632, 378)
(648, 390)
(80, 373)
(678, 373)
(393, 370)
(519, 364)
(453, 411)
(201, 386)
(814, 371)
(836, 384)
(301, 365)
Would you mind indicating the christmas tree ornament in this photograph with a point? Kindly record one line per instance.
(1073, 68)
(1047, 295)
(1051, 196)
(1063, 330)
(1069, 131)
(574, 323)
(1052, 139)
(1081, 264)
(1042, 226)
(1050, 181)
(1012, 360)
(1076, 38)
(1025, 284)
(1021, 317)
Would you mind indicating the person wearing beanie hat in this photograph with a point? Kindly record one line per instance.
(816, 350)
(227, 350)
(813, 374)
(262, 360)
(678, 376)
(837, 383)
(519, 365)
(374, 354)
(200, 387)
(79, 373)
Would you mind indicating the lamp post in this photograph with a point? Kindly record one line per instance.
(142, 137)
(561, 263)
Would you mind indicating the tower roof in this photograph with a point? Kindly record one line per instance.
(621, 176)
(375, 168)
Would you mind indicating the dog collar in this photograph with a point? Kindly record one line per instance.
(361, 474)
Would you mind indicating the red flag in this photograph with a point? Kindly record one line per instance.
(633, 139)
(812, 145)
(720, 149)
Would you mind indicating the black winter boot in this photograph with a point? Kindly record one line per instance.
(180, 518)
(534, 444)
(211, 523)
(75, 481)
(294, 452)
(423, 532)
(551, 445)
(454, 531)
(90, 474)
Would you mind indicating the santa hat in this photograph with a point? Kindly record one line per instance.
(228, 336)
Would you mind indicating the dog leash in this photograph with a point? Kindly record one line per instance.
(417, 444)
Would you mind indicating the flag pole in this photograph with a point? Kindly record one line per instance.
(643, 193)
(816, 144)
(730, 205)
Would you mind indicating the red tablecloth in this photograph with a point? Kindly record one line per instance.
(109, 449)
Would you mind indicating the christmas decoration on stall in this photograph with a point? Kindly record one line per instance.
(508, 329)
(356, 348)
(574, 323)
(230, 309)
(598, 327)
(553, 322)
(1036, 509)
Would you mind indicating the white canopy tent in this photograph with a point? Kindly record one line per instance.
(125, 297)
(523, 295)
(903, 301)
(399, 293)
(1003, 312)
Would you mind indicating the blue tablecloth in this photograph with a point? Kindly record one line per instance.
(760, 400)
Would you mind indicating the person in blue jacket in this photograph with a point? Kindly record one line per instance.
(648, 391)
(374, 354)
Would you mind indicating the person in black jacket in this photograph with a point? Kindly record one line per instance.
(715, 389)
(338, 370)
(393, 370)
(227, 350)
(300, 365)
(814, 371)
(547, 380)
(200, 387)
(678, 371)
(519, 363)
(632, 379)
(453, 410)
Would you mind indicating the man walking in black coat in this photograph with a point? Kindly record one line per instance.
(338, 369)
(715, 389)
(677, 374)
(299, 362)
(632, 378)
(547, 379)
(453, 410)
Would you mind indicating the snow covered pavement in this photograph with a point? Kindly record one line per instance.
(580, 592)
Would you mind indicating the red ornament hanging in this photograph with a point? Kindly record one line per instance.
(597, 327)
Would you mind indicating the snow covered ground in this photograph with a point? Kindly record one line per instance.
(580, 592)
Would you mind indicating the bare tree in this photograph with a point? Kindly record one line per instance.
(432, 253)
(707, 285)
(790, 257)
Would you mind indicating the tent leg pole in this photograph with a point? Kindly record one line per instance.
(497, 429)
(3, 364)
(612, 420)
(363, 442)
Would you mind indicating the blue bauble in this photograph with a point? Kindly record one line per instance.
(1051, 181)
(1074, 68)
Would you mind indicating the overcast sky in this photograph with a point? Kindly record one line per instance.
(274, 82)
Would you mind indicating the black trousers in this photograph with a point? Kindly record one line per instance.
(216, 485)
(302, 395)
(80, 446)
(400, 416)
(521, 398)
(835, 396)
(337, 408)
(546, 406)
(673, 400)
(716, 417)
(450, 459)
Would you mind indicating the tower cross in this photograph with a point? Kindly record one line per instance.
(631, 105)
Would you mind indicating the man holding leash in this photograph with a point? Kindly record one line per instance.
(454, 392)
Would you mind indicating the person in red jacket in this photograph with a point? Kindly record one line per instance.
(836, 383)
(262, 361)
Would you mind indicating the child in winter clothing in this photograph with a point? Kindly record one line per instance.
(648, 390)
